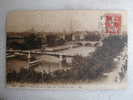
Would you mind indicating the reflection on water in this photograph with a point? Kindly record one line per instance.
(15, 64)
(18, 64)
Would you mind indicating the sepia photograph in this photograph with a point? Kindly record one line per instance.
(67, 49)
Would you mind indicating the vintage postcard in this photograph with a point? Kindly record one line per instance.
(67, 49)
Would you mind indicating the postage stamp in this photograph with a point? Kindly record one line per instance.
(110, 23)
(113, 23)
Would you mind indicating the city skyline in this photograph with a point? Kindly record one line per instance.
(57, 21)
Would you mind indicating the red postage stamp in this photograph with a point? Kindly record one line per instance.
(113, 23)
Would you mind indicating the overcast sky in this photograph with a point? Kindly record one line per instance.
(56, 21)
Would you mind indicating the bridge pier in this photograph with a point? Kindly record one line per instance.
(29, 57)
(60, 60)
